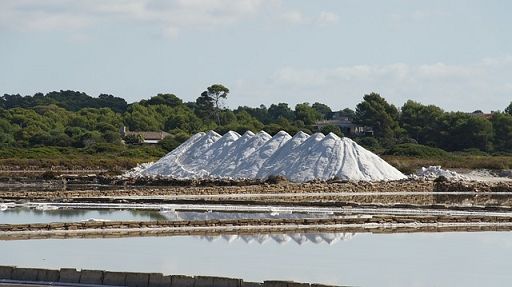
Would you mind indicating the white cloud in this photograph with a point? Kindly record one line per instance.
(297, 17)
(482, 85)
(327, 18)
(293, 17)
(169, 16)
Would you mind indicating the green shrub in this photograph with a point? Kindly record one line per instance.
(370, 143)
(332, 129)
(415, 150)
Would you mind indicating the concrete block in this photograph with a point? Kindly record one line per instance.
(91, 277)
(45, 275)
(137, 279)
(69, 275)
(203, 281)
(25, 274)
(6, 272)
(295, 284)
(114, 278)
(159, 280)
(226, 282)
(251, 284)
(182, 281)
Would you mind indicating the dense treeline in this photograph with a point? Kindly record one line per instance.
(75, 119)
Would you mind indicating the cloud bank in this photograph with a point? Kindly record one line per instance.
(484, 85)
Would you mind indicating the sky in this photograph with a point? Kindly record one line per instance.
(454, 54)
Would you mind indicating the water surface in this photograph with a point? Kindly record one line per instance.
(419, 259)
(19, 215)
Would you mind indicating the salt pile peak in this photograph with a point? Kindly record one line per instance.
(253, 163)
(276, 163)
(257, 156)
(242, 155)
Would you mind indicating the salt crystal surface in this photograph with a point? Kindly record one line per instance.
(258, 156)
(433, 172)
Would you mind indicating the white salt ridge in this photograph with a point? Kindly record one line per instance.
(258, 156)
(275, 164)
(433, 172)
(226, 162)
(296, 166)
(251, 166)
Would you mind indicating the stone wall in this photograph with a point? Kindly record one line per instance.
(108, 278)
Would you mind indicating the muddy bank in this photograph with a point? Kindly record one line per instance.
(409, 192)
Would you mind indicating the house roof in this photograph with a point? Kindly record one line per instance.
(149, 135)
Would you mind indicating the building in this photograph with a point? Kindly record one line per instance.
(148, 137)
(345, 124)
(480, 114)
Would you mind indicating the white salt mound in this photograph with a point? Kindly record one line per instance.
(258, 156)
(433, 172)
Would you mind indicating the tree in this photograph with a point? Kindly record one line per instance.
(508, 109)
(459, 131)
(304, 112)
(172, 141)
(332, 129)
(375, 112)
(164, 99)
(213, 97)
(280, 110)
(349, 113)
(421, 122)
(134, 139)
(502, 130)
(323, 110)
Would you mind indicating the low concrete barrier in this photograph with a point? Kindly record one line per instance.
(131, 279)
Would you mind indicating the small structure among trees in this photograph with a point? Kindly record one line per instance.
(141, 137)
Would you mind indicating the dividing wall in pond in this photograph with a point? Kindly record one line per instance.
(98, 277)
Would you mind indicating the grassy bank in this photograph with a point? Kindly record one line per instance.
(108, 157)
(409, 164)
(117, 158)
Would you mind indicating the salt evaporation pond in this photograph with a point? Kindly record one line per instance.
(417, 259)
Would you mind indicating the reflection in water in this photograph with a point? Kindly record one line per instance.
(20, 215)
(298, 238)
(47, 213)
(198, 215)
(380, 260)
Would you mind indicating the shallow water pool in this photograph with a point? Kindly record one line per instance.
(19, 215)
(419, 259)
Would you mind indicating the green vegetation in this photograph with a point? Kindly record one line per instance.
(415, 150)
(72, 126)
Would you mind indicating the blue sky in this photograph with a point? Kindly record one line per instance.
(455, 54)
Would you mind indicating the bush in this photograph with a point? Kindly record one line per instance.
(472, 151)
(415, 150)
(173, 140)
(104, 148)
(332, 129)
(370, 143)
